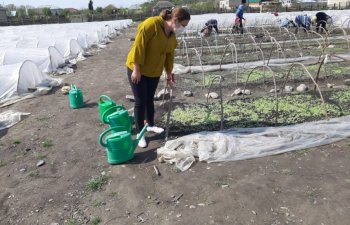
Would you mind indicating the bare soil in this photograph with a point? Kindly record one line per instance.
(310, 187)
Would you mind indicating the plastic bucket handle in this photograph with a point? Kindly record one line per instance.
(104, 117)
(106, 97)
(118, 128)
(141, 133)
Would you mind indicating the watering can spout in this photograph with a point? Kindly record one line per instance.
(140, 135)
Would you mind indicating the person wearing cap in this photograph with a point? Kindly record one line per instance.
(303, 21)
(239, 17)
(321, 19)
(208, 28)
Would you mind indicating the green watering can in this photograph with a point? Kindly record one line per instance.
(120, 146)
(118, 117)
(105, 103)
(76, 99)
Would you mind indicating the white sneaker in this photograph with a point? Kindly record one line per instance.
(142, 143)
(155, 129)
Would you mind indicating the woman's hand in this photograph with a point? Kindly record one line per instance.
(170, 81)
(136, 75)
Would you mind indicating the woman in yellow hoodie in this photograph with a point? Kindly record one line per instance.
(153, 51)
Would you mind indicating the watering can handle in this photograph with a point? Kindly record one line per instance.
(105, 112)
(106, 97)
(106, 132)
(141, 133)
(72, 86)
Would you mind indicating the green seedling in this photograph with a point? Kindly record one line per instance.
(2, 163)
(96, 183)
(47, 143)
(71, 222)
(40, 156)
(95, 220)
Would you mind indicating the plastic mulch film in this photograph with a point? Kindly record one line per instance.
(247, 143)
(10, 118)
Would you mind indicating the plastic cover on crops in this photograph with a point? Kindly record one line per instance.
(246, 143)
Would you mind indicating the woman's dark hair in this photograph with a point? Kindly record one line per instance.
(178, 13)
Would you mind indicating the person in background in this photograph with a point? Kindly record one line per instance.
(303, 21)
(153, 51)
(285, 21)
(239, 18)
(208, 28)
(321, 19)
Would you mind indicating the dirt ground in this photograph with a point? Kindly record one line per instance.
(310, 187)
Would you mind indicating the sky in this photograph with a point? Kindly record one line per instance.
(78, 4)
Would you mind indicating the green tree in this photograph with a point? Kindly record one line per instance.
(11, 7)
(32, 13)
(99, 10)
(91, 6)
(147, 7)
(85, 12)
(21, 11)
(47, 12)
(108, 10)
(65, 13)
(123, 11)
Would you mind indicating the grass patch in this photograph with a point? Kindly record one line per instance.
(195, 115)
(96, 183)
(113, 194)
(40, 155)
(96, 204)
(221, 183)
(333, 69)
(71, 222)
(342, 97)
(299, 153)
(256, 75)
(287, 172)
(208, 80)
(47, 143)
(16, 142)
(292, 109)
(312, 193)
(34, 173)
(2, 163)
(95, 220)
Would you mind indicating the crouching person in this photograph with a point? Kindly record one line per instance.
(321, 20)
(303, 21)
(208, 28)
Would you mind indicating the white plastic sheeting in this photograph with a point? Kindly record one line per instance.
(47, 59)
(10, 118)
(247, 143)
(180, 69)
(69, 39)
(340, 18)
(27, 53)
(18, 79)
